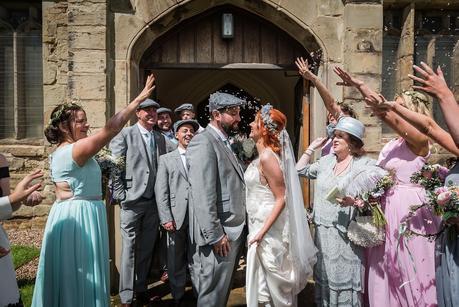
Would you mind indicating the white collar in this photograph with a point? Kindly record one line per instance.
(219, 132)
(142, 129)
(181, 150)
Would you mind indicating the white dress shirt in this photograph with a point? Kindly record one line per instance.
(183, 157)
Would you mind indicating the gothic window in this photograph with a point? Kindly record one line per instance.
(21, 70)
(437, 34)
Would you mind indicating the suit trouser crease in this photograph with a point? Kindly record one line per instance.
(139, 229)
(216, 274)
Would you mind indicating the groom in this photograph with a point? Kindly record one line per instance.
(217, 207)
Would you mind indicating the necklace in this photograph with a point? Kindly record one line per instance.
(340, 167)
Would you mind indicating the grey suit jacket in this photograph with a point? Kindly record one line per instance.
(171, 189)
(217, 190)
(138, 179)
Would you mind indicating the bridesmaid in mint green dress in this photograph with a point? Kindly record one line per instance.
(73, 268)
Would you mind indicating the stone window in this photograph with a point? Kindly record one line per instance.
(21, 71)
(437, 36)
(391, 39)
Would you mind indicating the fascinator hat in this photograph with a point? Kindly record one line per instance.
(352, 126)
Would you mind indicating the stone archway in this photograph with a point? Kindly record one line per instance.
(153, 19)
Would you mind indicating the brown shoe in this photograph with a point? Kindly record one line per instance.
(165, 277)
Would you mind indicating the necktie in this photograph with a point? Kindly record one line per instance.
(152, 143)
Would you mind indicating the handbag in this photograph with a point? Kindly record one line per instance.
(363, 232)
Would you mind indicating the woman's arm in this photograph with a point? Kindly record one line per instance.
(85, 148)
(273, 175)
(424, 124)
(435, 85)
(24, 189)
(349, 80)
(329, 100)
(306, 157)
(417, 141)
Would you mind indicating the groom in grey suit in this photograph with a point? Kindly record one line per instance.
(172, 198)
(217, 207)
(141, 147)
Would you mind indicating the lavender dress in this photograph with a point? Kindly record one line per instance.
(402, 271)
(447, 258)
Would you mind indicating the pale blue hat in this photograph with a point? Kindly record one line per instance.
(352, 126)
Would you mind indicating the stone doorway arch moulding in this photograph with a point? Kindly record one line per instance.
(174, 14)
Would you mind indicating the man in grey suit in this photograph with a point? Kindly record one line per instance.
(171, 191)
(217, 207)
(141, 147)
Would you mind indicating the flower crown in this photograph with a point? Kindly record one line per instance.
(267, 120)
(57, 115)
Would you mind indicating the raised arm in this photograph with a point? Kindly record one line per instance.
(348, 80)
(275, 179)
(329, 100)
(417, 141)
(306, 157)
(424, 124)
(86, 148)
(434, 84)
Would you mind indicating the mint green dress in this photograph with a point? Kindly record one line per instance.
(73, 268)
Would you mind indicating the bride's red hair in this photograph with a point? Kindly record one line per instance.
(271, 138)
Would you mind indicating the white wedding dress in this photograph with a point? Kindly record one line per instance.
(279, 266)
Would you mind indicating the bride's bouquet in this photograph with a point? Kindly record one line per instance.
(244, 148)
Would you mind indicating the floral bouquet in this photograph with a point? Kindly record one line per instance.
(110, 167)
(370, 202)
(244, 148)
(430, 176)
(445, 201)
(442, 200)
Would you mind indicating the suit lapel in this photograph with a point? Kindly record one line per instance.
(179, 163)
(228, 152)
(142, 145)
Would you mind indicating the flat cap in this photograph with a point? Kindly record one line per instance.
(148, 103)
(219, 100)
(183, 107)
(191, 122)
(164, 110)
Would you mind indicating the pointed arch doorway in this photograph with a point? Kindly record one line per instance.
(193, 60)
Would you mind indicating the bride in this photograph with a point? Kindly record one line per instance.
(281, 252)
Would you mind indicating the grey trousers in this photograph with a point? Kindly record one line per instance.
(216, 274)
(139, 229)
(178, 258)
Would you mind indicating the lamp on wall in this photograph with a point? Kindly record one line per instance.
(227, 26)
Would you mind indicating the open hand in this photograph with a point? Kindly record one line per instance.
(23, 188)
(222, 247)
(348, 80)
(147, 90)
(303, 69)
(318, 143)
(432, 83)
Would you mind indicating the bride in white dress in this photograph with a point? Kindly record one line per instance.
(281, 252)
